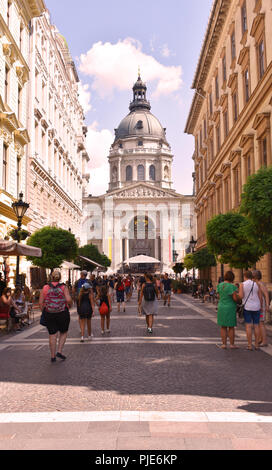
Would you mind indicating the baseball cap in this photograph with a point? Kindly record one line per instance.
(86, 286)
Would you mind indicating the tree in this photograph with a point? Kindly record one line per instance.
(178, 268)
(91, 252)
(204, 259)
(257, 206)
(57, 246)
(230, 240)
(189, 261)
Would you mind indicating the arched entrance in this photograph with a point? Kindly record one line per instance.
(142, 235)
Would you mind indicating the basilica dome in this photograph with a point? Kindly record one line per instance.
(140, 122)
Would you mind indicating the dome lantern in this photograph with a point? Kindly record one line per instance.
(139, 96)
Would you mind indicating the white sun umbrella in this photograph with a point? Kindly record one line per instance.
(142, 259)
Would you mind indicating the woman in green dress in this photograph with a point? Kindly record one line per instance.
(227, 306)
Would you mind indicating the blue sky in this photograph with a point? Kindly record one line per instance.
(108, 41)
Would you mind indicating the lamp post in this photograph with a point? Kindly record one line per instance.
(193, 243)
(20, 207)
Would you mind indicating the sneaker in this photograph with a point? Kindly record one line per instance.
(82, 339)
(61, 356)
(102, 332)
(149, 330)
(107, 331)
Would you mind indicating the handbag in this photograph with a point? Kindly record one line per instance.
(241, 308)
(104, 309)
(42, 319)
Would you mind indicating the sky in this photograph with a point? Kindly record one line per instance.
(108, 41)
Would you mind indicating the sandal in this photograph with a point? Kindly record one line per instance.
(249, 348)
(263, 345)
(221, 346)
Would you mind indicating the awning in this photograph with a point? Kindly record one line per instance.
(142, 259)
(12, 248)
(69, 265)
(92, 262)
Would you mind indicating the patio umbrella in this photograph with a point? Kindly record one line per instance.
(142, 259)
(12, 248)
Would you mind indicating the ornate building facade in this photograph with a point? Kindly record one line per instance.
(57, 157)
(15, 18)
(140, 214)
(231, 113)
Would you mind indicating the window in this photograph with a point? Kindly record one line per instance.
(7, 79)
(128, 173)
(114, 174)
(218, 140)
(246, 85)
(244, 17)
(211, 103)
(216, 88)
(224, 68)
(248, 165)
(226, 123)
(5, 167)
(18, 175)
(264, 152)
(235, 106)
(261, 63)
(152, 173)
(141, 173)
(233, 46)
(20, 103)
(140, 143)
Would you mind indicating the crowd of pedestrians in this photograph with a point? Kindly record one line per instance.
(56, 300)
(250, 298)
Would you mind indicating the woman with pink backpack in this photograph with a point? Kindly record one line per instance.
(54, 302)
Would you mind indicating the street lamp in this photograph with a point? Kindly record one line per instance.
(20, 207)
(193, 243)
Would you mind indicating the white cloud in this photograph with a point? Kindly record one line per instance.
(114, 67)
(84, 97)
(166, 52)
(98, 143)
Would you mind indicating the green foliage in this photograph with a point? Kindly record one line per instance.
(18, 235)
(57, 246)
(204, 259)
(91, 252)
(231, 239)
(257, 206)
(178, 268)
(189, 261)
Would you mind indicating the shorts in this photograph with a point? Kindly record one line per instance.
(120, 296)
(167, 292)
(252, 316)
(57, 322)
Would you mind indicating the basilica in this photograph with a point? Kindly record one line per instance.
(141, 214)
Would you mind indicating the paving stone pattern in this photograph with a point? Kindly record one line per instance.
(178, 368)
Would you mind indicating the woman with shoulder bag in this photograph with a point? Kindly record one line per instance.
(226, 314)
(252, 303)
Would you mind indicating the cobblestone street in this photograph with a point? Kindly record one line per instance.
(172, 390)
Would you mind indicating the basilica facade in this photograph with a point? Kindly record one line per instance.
(141, 214)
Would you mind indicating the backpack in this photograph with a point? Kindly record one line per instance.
(55, 300)
(104, 309)
(149, 292)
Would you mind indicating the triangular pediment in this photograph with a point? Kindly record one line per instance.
(143, 191)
